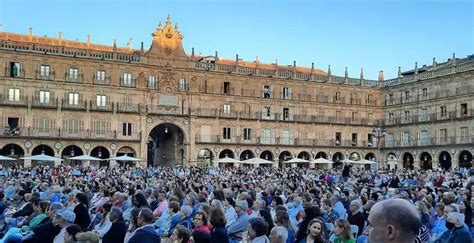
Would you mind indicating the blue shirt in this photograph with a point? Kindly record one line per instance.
(239, 226)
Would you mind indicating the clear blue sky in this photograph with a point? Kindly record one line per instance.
(373, 34)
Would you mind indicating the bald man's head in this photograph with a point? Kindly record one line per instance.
(393, 220)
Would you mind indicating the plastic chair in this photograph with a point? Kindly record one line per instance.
(355, 230)
(332, 238)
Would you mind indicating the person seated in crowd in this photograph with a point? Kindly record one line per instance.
(219, 231)
(71, 233)
(438, 226)
(343, 232)
(63, 219)
(316, 232)
(257, 231)
(283, 219)
(27, 226)
(278, 234)
(145, 232)
(200, 222)
(241, 223)
(181, 234)
(117, 230)
(82, 211)
(356, 217)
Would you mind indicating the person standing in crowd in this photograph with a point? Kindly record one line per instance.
(146, 232)
(81, 211)
(356, 217)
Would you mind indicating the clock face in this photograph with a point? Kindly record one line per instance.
(113, 146)
(87, 146)
(28, 144)
(58, 145)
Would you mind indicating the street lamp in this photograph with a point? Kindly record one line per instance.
(378, 133)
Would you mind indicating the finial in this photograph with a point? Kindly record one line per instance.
(176, 26)
(192, 53)
(312, 67)
(88, 40)
(276, 62)
(168, 21)
(454, 58)
(60, 36)
(346, 74)
(141, 47)
(115, 44)
(381, 77)
(294, 64)
(160, 26)
(256, 60)
(216, 57)
(361, 73)
(329, 70)
(416, 67)
(30, 36)
(130, 44)
(399, 71)
(434, 62)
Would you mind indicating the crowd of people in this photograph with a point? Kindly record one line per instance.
(257, 205)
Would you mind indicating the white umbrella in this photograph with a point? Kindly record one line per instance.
(368, 162)
(5, 158)
(348, 161)
(41, 157)
(296, 160)
(125, 158)
(228, 160)
(84, 158)
(256, 161)
(321, 161)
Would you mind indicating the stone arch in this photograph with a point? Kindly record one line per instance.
(246, 154)
(101, 152)
(355, 156)
(284, 156)
(337, 157)
(226, 153)
(408, 161)
(321, 154)
(71, 151)
(43, 149)
(370, 156)
(465, 159)
(445, 160)
(205, 156)
(12, 150)
(126, 150)
(165, 142)
(267, 155)
(304, 155)
(426, 161)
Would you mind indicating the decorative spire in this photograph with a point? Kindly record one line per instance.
(115, 44)
(60, 37)
(312, 67)
(361, 73)
(329, 70)
(88, 40)
(237, 59)
(294, 64)
(216, 58)
(168, 21)
(416, 67)
(192, 53)
(346, 74)
(434, 62)
(454, 58)
(256, 60)
(381, 77)
(399, 71)
(30, 35)
(160, 26)
(142, 50)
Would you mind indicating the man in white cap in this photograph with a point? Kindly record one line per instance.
(241, 223)
(455, 224)
(63, 219)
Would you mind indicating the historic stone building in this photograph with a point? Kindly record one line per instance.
(66, 98)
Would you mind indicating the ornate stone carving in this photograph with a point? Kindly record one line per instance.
(168, 82)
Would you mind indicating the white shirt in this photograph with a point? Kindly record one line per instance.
(60, 237)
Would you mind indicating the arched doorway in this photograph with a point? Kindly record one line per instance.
(101, 153)
(392, 161)
(226, 153)
(267, 155)
(465, 159)
(42, 149)
(321, 155)
(304, 155)
(126, 151)
(337, 158)
(284, 156)
(426, 162)
(370, 156)
(165, 142)
(13, 151)
(247, 154)
(354, 156)
(71, 151)
(445, 160)
(205, 157)
(408, 161)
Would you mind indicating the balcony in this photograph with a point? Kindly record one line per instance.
(7, 131)
(356, 101)
(183, 88)
(128, 107)
(37, 102)
(16, 74)
(166, 110)
(248, 92)
(102, 80)
(230, 114)
(208, 89)
(228, 91)
(339, 100)
(67, 104)
(74, 77)
(423, 97)
(126, 82)
(304, 97)
(371, 102)
(322, 98)
(14, 101)
(45, 75)
(108, 106)
(464, 90)
(390, 102)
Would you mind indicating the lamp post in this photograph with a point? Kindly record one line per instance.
(378, 133)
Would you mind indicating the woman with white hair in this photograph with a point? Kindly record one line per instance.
(278, 234)
(355, 216)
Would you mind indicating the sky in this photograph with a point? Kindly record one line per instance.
(370, 34)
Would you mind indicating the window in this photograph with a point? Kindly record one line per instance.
(391, 99)
(285, 93)
(390, 139)
(369, 98)
(44, 97)
(424, 137)
(267, 112)
(406, 138)
(101, 100)
(407, 116)
(442, 111)
(443, 135)
(355, 115)
(354, 139)
(183, 84)
(127, 79)
(247, 133)
(267, 91)
(424, 114)
(73, 99)
(286, 114)
(73, 73)
(226, 109)
(73, 126)
(370, 139)
(226, 133)
(464, 109)
(370, 117)
(152, 82)
(43, 125)
(45, 70)
(424, 93)
(285, 136)
(15, 69)
(338, 138)
(126, 129)
(337, 96)
(226, 88)
(100, 127)
(100, 76)
(391, 117)
(407, 97)
(14, 95)
(464, 133)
